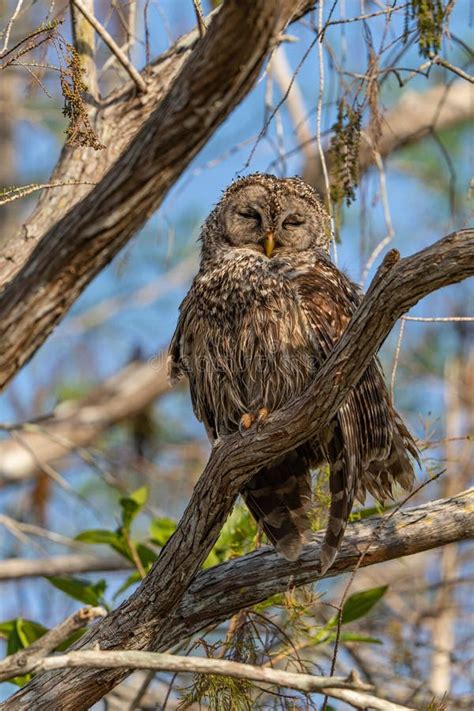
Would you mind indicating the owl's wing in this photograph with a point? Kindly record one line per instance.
(179, 362)
(365, 445)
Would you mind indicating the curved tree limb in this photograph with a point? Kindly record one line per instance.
(398, 285)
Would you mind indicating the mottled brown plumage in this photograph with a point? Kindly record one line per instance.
(262, 315)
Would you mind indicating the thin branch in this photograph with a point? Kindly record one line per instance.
(438, 319)
(25, 660)
(436, 59)
(201, 23)
(181, 664)
(113, 46)
(22, 191)
(8, 29)
(15, 568)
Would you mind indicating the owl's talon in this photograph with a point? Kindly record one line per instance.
(257, 418)
(246, 421)
(261, 418)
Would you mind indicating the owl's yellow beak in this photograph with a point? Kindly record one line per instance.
(269, 244)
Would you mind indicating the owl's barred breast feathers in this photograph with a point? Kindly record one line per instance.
(262, 315)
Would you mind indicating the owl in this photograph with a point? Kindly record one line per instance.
(262, 315)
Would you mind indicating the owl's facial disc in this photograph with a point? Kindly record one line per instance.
(270, 220)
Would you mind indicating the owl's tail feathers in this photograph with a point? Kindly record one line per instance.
(343, 468)
(381, 476)
(279, 498)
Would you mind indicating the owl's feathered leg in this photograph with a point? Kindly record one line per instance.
(279, 498)
(344, 465)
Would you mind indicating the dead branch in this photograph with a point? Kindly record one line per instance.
(25, 660)
(349, 689)
(169, 662)
(398, 285)
(413, 117)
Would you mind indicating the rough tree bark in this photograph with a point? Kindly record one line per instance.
(397, 286)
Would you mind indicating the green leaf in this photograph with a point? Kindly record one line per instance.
(29, 631)
(98, 535)
(79, 589)
(6, 628)
(146, 555)
(353, 637)
(161, 530)
(359, 604)
(20, 633)
(109, 538)
(132, 505)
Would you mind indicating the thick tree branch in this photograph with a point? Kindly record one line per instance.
(414, 116)
(77, 423)
(218, 593)
(397, 286)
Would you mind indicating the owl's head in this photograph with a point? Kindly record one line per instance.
(268, 215)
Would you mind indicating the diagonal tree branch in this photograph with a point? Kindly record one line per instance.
(218, 593)
(398, 285)
(77, 423)
(350, 689)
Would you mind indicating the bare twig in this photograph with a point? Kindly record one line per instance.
(8, 29)
(436, 59)
(201, 23)
(26, 660)
(396, 359)
(22, 191)
(307, 683)
(113, 46)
